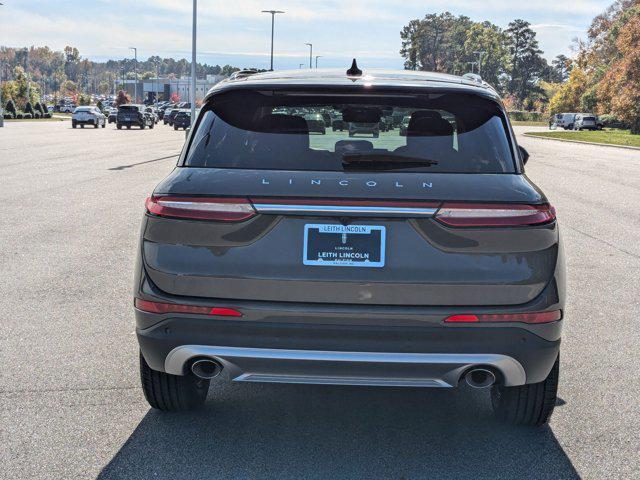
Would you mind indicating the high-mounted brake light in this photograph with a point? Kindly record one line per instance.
(535, 317)
(158, 307)
(494, 214)
(201, 208)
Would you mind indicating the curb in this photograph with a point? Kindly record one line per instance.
(533, 135)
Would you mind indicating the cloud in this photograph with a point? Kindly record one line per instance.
(338, 28)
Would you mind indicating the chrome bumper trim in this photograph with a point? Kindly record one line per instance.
(344, 368)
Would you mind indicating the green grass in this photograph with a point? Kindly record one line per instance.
(529, 123)
(608, 136)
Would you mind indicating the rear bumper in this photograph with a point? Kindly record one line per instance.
(381, 369)
(383, 355)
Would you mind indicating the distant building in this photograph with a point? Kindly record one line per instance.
(165, 88)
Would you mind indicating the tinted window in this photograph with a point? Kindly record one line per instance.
(455, 133)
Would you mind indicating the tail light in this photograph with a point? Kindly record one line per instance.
(201, 208)
(157, 307)
(494, 215)
(534, 317)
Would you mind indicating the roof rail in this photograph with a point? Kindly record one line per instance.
(474, 77)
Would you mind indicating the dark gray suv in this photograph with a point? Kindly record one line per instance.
(426, 260)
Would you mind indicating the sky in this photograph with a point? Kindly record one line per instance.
(236, 32)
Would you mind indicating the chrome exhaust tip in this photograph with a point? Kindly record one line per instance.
(206, 369)
(480, 378)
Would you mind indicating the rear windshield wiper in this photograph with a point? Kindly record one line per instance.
(372, 161)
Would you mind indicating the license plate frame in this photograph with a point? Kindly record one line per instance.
(353, 254)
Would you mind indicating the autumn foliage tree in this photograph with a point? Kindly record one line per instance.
(122, 98)
(619, 90)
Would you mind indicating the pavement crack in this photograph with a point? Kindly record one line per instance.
(622, 250)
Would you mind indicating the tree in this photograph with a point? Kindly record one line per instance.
(489, 39)
(619, 90)
(68, 88)
(104, 88)
(526, 65)
(561, 68)
(436, 43)
(122, 98)
(567, 99)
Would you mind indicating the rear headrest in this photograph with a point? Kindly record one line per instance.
(285, 124)
(427, 123)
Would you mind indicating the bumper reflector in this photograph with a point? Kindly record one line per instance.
(534, 317)
(157, 307)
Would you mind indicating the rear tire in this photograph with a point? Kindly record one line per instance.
(118, 126)
(172, 393)
(530, 404)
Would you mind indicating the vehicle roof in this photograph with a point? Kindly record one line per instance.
(384, 79)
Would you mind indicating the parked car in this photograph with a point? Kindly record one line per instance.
(424, 262)
(315, 123)
(133, 115)
(168, 117)
(113, 115)
(182, 120)
(565, 120)
(364, 128)
(89, 115)
(68, 108)
(153, 112)
(585, 121)
(337, 123)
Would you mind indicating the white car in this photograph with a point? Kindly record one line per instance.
(88, 116)
(586, 121)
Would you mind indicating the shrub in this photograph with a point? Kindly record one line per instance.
(19, 115)
(47, 115)
(611, 121)
(27, 116)
(36, 114)
(526, 116)
(11, 107)
(8, 115)
(28, 108)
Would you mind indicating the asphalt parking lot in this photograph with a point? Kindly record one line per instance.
(71, 407)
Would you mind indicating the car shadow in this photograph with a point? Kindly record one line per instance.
(326, 432)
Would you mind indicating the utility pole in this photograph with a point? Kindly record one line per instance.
(480, 54)
(273, 17)
(135, 68)
(317, 57)
(193, 62)
(310, 54)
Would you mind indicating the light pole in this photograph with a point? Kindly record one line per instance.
(472, 64)
(273, 17)
(317, 57)
(310, 54)
(480, 54)
(301, 65)
(135, 68)
(193, 62)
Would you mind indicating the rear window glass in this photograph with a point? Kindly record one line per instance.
(129, 108)
(452, 133)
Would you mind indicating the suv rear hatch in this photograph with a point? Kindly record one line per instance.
(259, 209)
